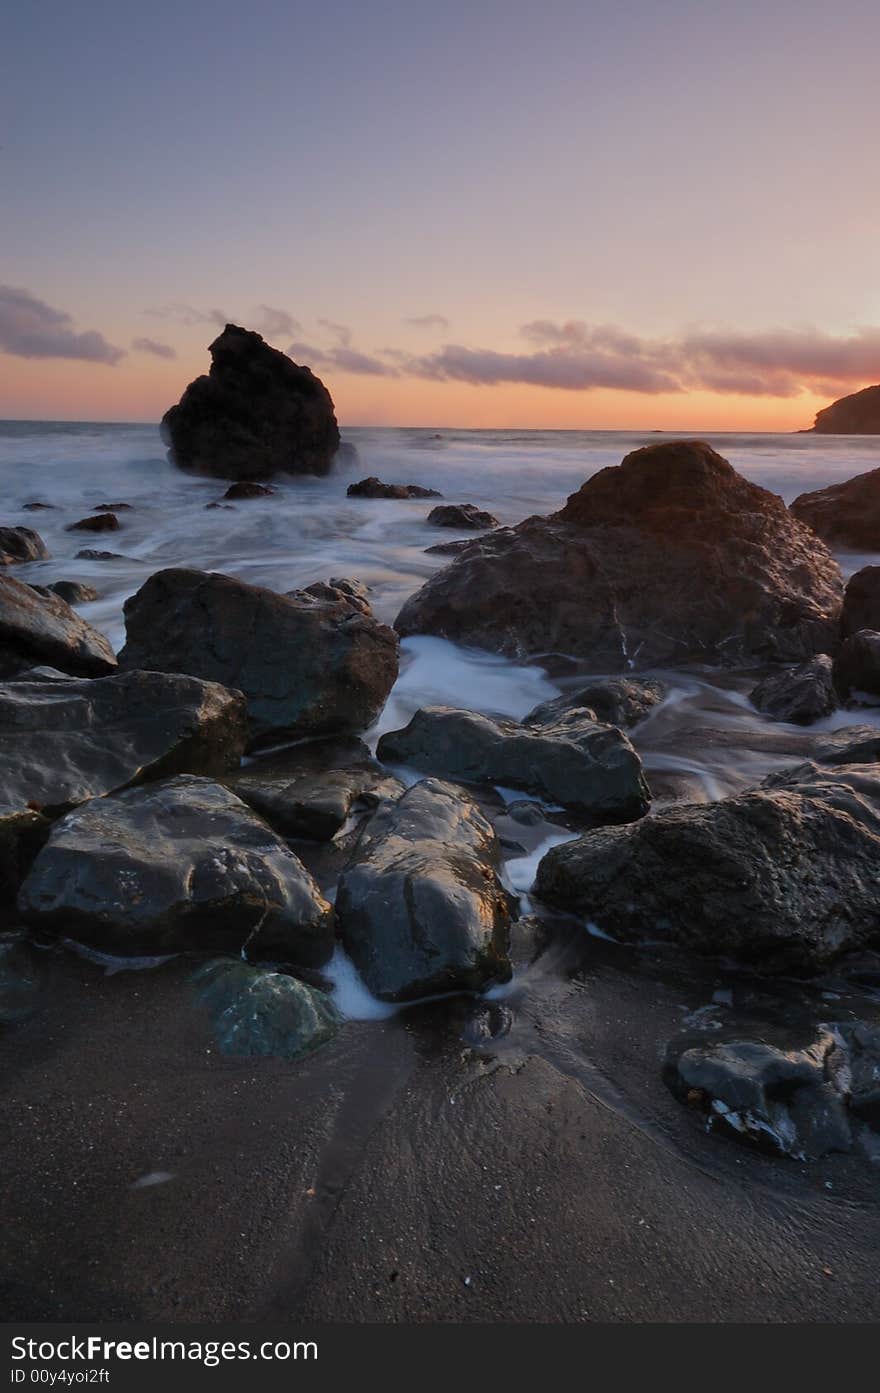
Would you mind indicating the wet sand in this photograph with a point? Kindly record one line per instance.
(415, 1169)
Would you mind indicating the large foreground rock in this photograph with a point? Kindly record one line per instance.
(312, 789)
(571, 760)
(308, 664)
(844, 515)
(255, 1011)
(256, 413)
(65, 739)
(178, 865)
(421, 908)
(37, 628)
(671, 557)
(798, 694)
(18, 544)
(857, 414)
(785, 876)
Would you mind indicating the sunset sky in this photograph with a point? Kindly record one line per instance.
(493, 213)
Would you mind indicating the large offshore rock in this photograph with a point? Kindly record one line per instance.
(856, 414)
(182, 864)
(310, 790)
(670, 557)
(785, 876)
(571, 760)
(37, 628)
(844, 515)
(66, 739)
(255, 414)
(308, 664)
(255, 1011)
(798, 694)
(421, 907)
(18, 544)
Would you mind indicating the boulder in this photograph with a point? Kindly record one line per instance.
(844, 515)
(462, 515)
(91, 554)
(255, 414)
(784, 1100)
(308, 665)
(339, 590)
(99, 522)
(177, 865)
(66, 739)
(785, 876)
(255, 1011)
(311, 790)
(861, 1078)
(857, 414)
(669, 558)
(247, 488)
(374, 488)
(618, 701)
(18, 544)
(37, 628)
(74, 592)
(857, 665)
(421, 907)
(861, 601)
(798, 694)
(571, 760)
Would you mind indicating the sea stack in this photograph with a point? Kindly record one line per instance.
(255, 414)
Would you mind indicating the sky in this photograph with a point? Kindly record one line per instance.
(577, 214)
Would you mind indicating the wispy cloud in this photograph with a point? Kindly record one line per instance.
(340, 332)
(159, 350)
(429, 321)
(342, 358)
(268, 320)
(29, 328)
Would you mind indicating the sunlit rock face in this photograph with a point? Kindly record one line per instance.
(844, 515)
(857, 414)
(256, 413)
(668, 558)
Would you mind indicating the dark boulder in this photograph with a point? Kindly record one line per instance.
(618, 701)
(857, 665)
(307, 665)
(255, 414)
(19, 544)
(785, 876)
(112, 508)
(844, 515)
(572, 760)
(256, 1012)
(37, 628)
(339, 590)
(861, 601)
(374, 488)
(861, 1079)
(421, 907)
(66, 739)
(74, 592)
(100, 522)
(177, 865)
(462, 515)
(247, 488)
(90, 554)
(798, 694)
(311, 790)
(857, 414)
(669, 558)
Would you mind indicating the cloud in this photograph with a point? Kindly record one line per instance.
(342, 358)
(159, 350)
(268, 320)
(188, 315)
(340, 332)
(29, 328)
(272, 323)
(429, 321)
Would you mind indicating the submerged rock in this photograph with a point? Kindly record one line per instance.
(857, 665)
(463, 515)
(255, 414)
(19, 544)
(669, 558)
(312, 789)
(618, 701)
(37, 628)
(246, 488)
(844, 515)
(856, 414)
(65, 739)
(421, 907)
(799, 694)
(785, 876)
(308, 664)
(90, 554)
(255, 1011)
(100, 522)
(177, 865)
(374, 488)
(571, 760)
(861, 601)
(74, 592)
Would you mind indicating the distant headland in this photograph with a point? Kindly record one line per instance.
(857, 414)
